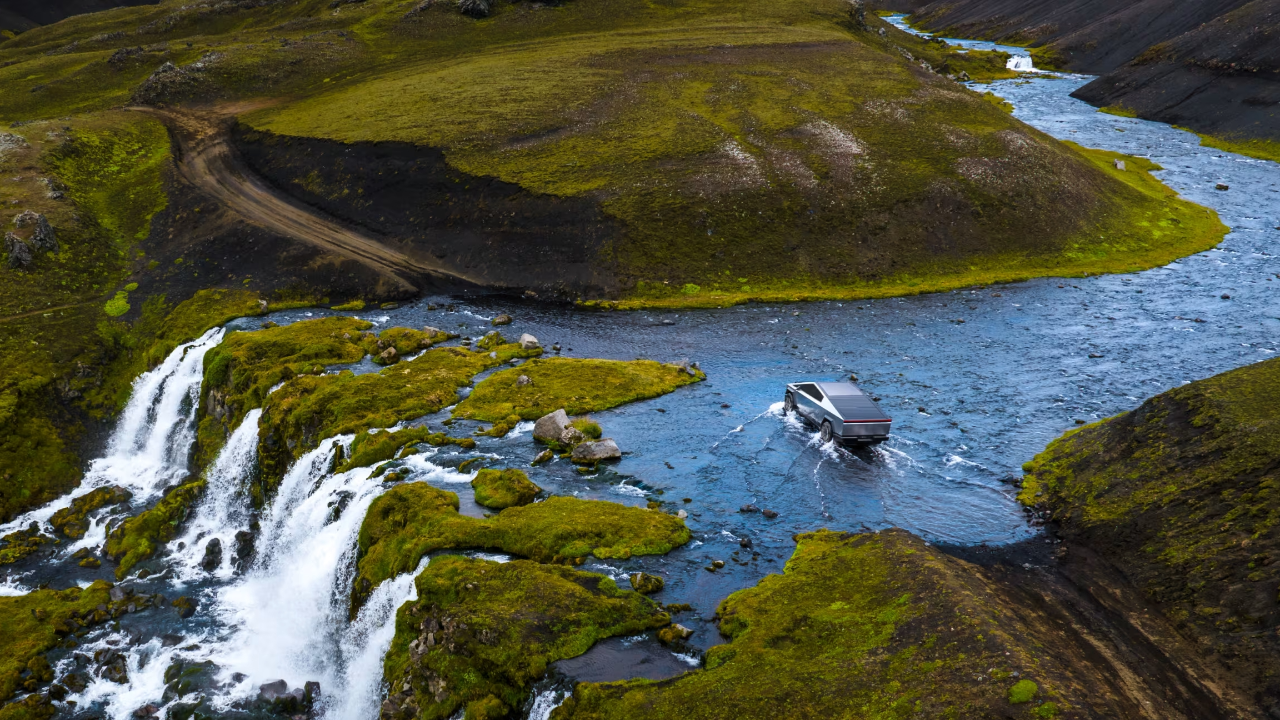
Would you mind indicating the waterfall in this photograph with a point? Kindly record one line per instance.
(1021, 63)
(224, 508)
(148, 450)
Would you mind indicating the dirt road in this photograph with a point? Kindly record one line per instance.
(206, 159)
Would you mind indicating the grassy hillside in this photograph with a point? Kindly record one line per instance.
(1180, 494)
(717, 136)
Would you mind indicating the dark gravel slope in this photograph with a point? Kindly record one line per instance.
(1223, 78)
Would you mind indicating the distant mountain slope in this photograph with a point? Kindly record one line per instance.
(1089, 36)
(19, 15)
(1222, 78)
(1213, 66)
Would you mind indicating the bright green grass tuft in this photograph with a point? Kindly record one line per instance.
(579, 386)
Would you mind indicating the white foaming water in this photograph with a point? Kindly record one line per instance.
(287, 616)
(148, 449)
(224, 508)
(365, 643)
(10, 587)
(1021, 63)
(545, 703)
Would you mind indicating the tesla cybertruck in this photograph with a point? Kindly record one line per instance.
(840, 410)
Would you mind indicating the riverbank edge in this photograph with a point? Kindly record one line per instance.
(988, 271)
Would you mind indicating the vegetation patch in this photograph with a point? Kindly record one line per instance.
(311, 408)
(1260, 148)
(21, 543)
(372, 447)
(499, 489)
(33, 624)
(141, 536)
(1183, 493)
(414, 519)
(73, 521)
(577, 385)
(872, 625)
(480, 633)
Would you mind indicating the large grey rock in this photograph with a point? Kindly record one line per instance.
(18, 251)
(43, 239)
(598, 451)
(529, 342)
(551, 426)
(26, 218)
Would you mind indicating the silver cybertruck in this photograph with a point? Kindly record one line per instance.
(840, 410)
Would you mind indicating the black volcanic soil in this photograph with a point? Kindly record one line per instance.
(493, 232)
(1222, 78)
(1212, 66)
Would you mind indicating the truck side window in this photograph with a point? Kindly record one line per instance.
(811, 390)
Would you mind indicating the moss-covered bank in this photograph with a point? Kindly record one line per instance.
(499, 489)
(308, 409)
(579, 386)
(414, 519)
(1183, 496)
(32, 624)
(860, 626)
(139, 537)
(481, 632)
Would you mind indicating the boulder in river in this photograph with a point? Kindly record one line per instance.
(571, 437)
(598, 451)
(644, 583)
(212, 556)
(186, 607)
(388, 357)
(551, 426)
(503, 319)
(18, 251)
(674, 633)
(529, 342)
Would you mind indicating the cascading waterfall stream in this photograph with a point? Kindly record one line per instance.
(224, 509)
(149, 448)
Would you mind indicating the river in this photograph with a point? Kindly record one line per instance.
(977, 382)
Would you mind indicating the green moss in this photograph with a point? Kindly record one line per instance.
(353, 305)
(1119, 111)
(114, 172)
(21, 543)
(142, 535)
(1261, 148)
(117, 305)
(73, 521)
(500, 489)
(311, 408)
(480, 633)
(1023, 691)
(32, 624)
(577, 385)
(1184, 494)
(587, 427)
(370, 448)
(414, 519)
(865, 626)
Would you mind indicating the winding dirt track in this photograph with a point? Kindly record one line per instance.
(207, 160)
